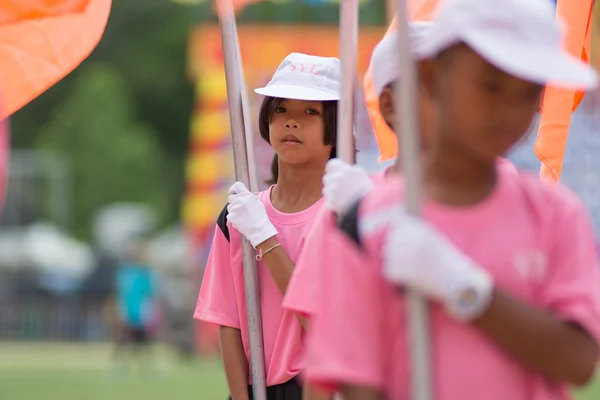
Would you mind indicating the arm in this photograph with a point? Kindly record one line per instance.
(557, 335)
(350, 392)
(109, 313)
(347, 345)
(234, 362)
(560, 350)
(280, 266)
(248, 215)
(310, 392)
(217, 304)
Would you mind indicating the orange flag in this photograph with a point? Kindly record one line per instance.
(559, 104)
(41, 41)
(419, 10)
(13, 11)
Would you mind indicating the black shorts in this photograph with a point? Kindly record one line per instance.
(290, 390)
(135, 335)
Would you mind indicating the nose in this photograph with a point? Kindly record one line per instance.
(292, 124)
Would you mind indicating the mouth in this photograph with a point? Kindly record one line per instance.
(291, 139)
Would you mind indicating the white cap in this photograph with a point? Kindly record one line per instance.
(520, 37)
(384, 62)
(304, 77)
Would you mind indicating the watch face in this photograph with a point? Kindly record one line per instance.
(468, 298)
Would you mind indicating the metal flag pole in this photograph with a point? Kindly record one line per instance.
(236, 99)
(348, 44)
(249, 134)
(406, 101)
(346, 106)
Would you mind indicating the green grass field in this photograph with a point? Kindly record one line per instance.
(85, 372)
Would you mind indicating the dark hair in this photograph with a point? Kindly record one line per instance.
(274, 171)
(270, 104)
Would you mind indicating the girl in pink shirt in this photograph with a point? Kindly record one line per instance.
(298, 119)
(507, 262)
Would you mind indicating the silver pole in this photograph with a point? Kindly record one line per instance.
(409, 140)
(252, 165)
(346, 106)
(348, 43)
(235, 98)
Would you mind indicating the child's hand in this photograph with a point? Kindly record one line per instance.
(248, 215)
(344, 185)
(418, 256)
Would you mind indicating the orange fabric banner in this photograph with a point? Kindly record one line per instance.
(559, 104)
(419, 10)
(41, 41)
(13, 11)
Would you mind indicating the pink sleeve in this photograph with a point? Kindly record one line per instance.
(217, 301)
(506, 165)
(345, 342)
(304, 286)
(572, 287)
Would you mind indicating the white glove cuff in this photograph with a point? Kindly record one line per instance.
(266, 232)
(471, 298)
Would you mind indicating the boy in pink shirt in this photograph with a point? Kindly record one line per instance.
(344, 184)
(298, 119)
(508, 263)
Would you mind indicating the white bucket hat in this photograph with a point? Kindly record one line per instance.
(304, 77)
(384, 62)
(520, 37)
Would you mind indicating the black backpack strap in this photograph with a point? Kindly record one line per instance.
(222, 222)
(348, 223)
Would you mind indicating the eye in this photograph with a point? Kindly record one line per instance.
(279, 110)
(310, 111)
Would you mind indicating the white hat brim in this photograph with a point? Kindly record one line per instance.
(542, 66)
(294, 92)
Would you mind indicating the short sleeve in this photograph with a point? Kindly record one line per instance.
(217, 302)
(344, 343)
(304, 286)
(572, 286)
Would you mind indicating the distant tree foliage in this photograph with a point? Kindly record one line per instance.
(123, 116)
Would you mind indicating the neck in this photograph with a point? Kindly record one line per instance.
(458, 179)
(298, 187)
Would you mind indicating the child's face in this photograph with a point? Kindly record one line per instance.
(297, 130)
(481, 111)
(388, 111)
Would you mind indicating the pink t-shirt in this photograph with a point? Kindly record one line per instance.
(301, 294)
(505, 164)
(222, 298)
(540, 248)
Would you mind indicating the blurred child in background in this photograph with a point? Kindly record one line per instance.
(136, 302)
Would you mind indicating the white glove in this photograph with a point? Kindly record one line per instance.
(344, 185)
(248, 215)
(421, 258)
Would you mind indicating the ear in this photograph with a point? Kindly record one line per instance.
(386, 102)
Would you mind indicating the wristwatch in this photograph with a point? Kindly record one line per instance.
(472, 298)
